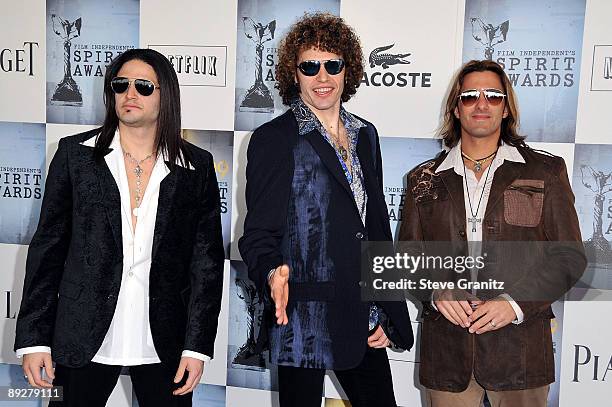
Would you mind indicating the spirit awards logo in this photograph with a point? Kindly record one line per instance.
(607, 68)
(529, 67)
(67, 92)
(380, 58)
(221, 168)
(389, 77)
(395, 197)
(489, 35)
(21, 183)
(597, 246)
(258, 98)
(246, 357)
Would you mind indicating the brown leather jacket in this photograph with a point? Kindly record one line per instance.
(528, 202)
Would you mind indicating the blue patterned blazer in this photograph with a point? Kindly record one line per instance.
(301, 211)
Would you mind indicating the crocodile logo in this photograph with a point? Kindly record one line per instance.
(381, 58)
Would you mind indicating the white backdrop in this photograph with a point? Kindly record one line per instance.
(404, 101)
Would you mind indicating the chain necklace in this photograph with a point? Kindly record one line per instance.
(474, 219)
(478, 162)
(344, 154)
(138, 171)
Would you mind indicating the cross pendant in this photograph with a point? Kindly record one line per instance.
(474, 220)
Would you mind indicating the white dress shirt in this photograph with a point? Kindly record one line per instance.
(472, 193)
(128, 341)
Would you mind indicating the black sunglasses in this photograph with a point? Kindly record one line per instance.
(311, 67)
(145, 87)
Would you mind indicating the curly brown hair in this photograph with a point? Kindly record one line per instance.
(325, 32)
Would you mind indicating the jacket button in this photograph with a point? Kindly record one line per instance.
(362, 284)
(359, 235)
(462, 233)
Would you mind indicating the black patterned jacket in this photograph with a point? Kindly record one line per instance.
(74, 263)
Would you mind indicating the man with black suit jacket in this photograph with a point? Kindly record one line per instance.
(125, 267)
(314, 194)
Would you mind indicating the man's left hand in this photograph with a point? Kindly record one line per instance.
(378, 339)
(491, 315)
(195, 367)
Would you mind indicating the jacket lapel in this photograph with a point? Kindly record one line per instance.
(111, 199)
(376, 199)
(454, 186)
(167, 189)
(328, 157)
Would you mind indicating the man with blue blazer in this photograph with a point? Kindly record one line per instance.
(126, 265)
(314, 194)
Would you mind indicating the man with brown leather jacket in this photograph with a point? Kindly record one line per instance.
(491, 188)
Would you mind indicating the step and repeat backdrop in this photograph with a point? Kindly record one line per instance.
(557, 53)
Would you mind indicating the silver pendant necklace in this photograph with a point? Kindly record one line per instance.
(475, 219)
(138, 171)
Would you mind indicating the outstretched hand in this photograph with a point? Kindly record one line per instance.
(279, 287)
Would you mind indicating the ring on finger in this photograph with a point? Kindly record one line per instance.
(492, 323)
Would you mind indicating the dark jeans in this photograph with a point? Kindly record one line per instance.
(92, 385)
(368, 384)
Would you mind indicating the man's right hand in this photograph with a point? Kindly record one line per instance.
(279, 287)
(32, 363)
(456, 306)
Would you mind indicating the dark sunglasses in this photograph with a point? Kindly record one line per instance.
(311, 67)
(469, 97)
(145, 87)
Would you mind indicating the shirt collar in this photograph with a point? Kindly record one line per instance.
(115, 145)
(308, 121)
(453, 158)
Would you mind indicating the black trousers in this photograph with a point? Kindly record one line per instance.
(366, 385)
(92, 385)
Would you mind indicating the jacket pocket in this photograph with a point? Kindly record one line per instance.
(523, 202)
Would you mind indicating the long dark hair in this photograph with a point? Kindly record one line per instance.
(451, 127)
(168, 139)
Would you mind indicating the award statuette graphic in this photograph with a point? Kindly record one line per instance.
(488, 35)
(597, 247)
(67, 92)
(258, 97)
(246, 357)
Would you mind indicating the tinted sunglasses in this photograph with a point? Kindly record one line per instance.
(145, 87)
(470, 97)
(312, 67)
